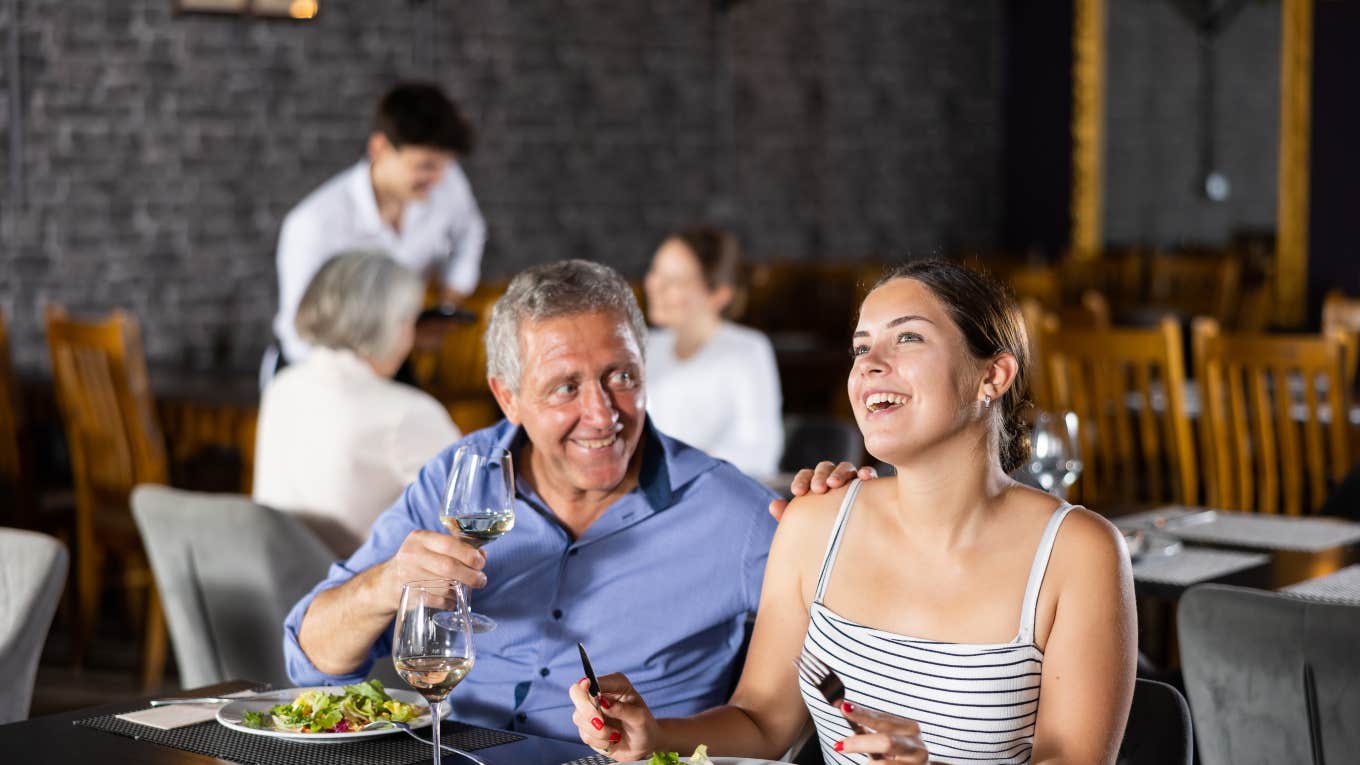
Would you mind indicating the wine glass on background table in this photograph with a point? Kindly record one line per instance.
(479, 503)
(432, 643)
(1055, 453)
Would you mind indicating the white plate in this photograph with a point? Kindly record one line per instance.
(722, 761)
(230, 715)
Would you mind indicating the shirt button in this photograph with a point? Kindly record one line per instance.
(573, 551)
(543, 672)
(557, 613)
(521, 717)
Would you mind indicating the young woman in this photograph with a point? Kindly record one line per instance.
(711, 383)
(970, 618)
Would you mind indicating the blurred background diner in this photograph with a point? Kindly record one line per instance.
(1166, 187)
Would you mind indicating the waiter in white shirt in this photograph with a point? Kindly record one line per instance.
(408, 198)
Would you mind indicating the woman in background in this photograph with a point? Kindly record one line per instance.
(337, 439)
(711, 383)
(971, 619)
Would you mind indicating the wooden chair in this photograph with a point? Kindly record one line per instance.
(1341, 314)
(1116, 275)
(115, 441)
(1274, 417)
(456, 373)
(1127, 387)
(1195, 285)
(1092, 313)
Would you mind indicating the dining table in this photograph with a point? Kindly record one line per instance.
(97, 735)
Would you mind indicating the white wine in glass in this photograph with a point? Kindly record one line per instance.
(479, 502)
(432, 644)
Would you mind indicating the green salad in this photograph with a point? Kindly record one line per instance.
(323, 712)
(700, 757)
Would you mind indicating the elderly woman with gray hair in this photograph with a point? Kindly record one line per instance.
(337, 439)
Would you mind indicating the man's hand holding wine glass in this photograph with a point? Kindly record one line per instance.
(429, 555)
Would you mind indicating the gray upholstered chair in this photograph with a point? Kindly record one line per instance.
(1159, 731)
(1271, 677)
(32, 574)
(228, 572)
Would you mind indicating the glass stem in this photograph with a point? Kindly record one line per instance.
(435, 705)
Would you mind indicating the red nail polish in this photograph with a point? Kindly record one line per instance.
(840, 746)
(847, 706)
(582, 681)
(604, 703)
(597, 722)
(615, 736)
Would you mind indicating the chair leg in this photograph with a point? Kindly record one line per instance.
(153, 641)
(88, 590)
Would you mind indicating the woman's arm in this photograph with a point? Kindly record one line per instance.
(1090, 658)
(766, 711)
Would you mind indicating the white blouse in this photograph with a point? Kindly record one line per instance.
(336, 443)
(724, 399)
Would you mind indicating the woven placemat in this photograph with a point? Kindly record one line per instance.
(216, 740)
(594, 759)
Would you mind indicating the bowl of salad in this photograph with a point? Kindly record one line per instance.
(326, 714)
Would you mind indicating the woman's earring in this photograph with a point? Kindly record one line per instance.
(987, 401)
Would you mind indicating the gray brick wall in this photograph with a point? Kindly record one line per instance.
(1153, 123)
(160, 152)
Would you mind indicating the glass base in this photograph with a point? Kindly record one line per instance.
(479, 622)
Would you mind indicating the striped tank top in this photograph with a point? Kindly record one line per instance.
(975, 702)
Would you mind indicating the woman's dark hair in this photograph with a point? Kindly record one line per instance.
(419, 114)
(719, 256)
(991, 323)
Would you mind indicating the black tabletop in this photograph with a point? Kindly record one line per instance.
(57, 739)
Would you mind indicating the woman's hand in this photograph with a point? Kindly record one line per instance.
(883, 736)
(623, 726)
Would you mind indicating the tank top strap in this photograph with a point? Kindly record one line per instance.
(834, 543)
(1036, 572)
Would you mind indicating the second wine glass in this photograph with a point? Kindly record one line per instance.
(432, 643)
(1055, 452)
(479, 502)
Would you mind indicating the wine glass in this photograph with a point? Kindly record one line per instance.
(1055, 453)
(432, 644)
(479, 503)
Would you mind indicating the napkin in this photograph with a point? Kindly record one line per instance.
(177, 715)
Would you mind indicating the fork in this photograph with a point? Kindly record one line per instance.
(829, 685)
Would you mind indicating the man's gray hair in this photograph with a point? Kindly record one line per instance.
(358, 301)
(553, 290)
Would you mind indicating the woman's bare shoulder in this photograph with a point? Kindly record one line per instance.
(809, 518)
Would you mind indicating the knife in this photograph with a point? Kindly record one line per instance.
(594, 687)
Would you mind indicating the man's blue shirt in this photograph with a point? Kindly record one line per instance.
(658, 587)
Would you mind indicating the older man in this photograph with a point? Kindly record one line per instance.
(647, 550)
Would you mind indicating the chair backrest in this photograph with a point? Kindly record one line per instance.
(32, 574)
(1117, 275)
(99, 371)
(460, 368)
(1204, 285)
(809, 440)
(228, 572)
(1093, 312)
(1341, 314)
(1159, 731)
(1274, 424)
(1270, 676)
(1127, 387)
